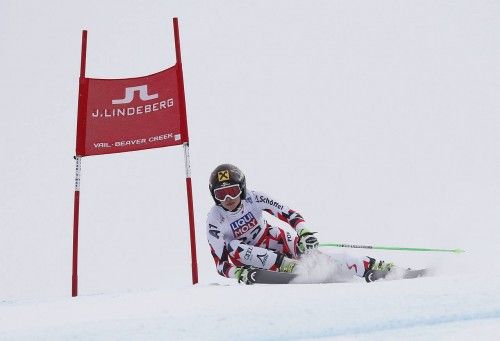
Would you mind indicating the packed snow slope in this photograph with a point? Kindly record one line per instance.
(447, 307)
(378, 121)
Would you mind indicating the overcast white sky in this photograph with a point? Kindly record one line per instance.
(378, 121)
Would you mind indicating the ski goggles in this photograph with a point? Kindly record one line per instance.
(232, 192)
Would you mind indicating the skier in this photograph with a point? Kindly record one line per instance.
(241, 239)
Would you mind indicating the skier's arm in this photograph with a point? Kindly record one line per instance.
(279, 210)
(219, 251)
(307, 240)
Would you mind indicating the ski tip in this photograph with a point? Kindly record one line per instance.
(458, 251)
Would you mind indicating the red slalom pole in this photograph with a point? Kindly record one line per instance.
(76, 214)
(185, 137)
(192, 236)
(78, 158)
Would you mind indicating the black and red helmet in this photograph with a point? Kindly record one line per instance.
(226, 175)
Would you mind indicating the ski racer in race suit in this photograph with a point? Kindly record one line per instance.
(240, 237)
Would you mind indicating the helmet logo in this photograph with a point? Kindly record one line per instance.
(223, 175)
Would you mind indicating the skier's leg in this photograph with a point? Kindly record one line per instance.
(351, 265)
(259, 257)
(281, 240)
(361, 266)
(284, 243)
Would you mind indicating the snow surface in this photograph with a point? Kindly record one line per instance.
(445, 308)
(378, 121)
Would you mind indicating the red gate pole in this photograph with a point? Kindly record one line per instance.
(74, 282)
(78, 158)
(185, 139)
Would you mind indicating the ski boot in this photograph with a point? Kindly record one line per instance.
(286, 264)
(376, 270)
(245, 274)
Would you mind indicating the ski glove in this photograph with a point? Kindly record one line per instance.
(307, 240)
(244, 274)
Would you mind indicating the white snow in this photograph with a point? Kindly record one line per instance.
(378, 121)
(448, 307)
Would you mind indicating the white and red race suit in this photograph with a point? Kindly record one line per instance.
(244, 237)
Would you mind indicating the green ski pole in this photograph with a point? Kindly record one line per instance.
(397, 248)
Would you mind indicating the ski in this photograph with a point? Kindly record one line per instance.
(415, 273)
(374, 275)
(261, 276)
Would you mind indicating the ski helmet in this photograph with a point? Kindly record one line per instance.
(226, 175)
